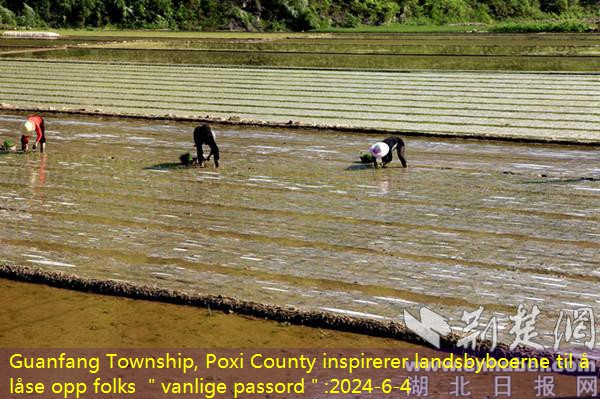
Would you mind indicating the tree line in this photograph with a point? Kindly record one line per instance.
(278, 15)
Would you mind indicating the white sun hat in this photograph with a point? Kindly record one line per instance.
(379, 150)
(28, 126)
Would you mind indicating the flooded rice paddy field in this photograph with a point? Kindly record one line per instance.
(292, 219)
(539, 106)
(377, 44)
(479, 51)
(329, 60)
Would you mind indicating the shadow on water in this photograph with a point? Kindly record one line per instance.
(360, 166)
(167, 165)
(19, 152)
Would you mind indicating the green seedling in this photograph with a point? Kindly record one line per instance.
(366, 157)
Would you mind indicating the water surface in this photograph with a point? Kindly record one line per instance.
(292, 218)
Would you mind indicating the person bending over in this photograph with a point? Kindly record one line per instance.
(203, 134)
(34, 123)
(382, 151)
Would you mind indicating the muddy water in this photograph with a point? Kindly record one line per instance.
(37, 316)
(586, 62)
(291, 218)
(448, 51)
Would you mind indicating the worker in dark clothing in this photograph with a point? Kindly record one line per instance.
(204, 135)
(382, 151)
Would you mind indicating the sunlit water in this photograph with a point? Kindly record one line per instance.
(292, 218)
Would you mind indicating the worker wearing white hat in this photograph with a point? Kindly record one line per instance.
(378, 151)
(34, 123)
(382, 151)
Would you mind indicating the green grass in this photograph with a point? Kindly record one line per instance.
(502, 27)
(177, 34)
(564, 26)
(392, 28)
(406, 28)
(568, 26)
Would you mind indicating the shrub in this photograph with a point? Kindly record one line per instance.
(7, 17)
(351, 21)
(554, 6)
(309, 19)
(445, 11)
(29, 17)
(532, 27)
(295, 15)
(502, 9)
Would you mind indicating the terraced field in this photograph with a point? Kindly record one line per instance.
(553, 107)
(290, 218)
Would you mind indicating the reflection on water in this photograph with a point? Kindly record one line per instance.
(480, 51)
(511, 62)
(42, 170)
(34, 176)
(289, 219)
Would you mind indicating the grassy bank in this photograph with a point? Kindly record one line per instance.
(519, 26)
(408, 28)
(567, 26)
(173, 34)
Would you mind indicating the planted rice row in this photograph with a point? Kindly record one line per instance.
(352, 103)
(314, 103)
(319, 75)
(391, 87)
(338, 114)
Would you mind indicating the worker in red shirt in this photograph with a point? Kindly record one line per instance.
(34, 123)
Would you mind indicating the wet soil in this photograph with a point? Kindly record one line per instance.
(36, 316)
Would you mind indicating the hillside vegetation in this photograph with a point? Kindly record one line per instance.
(282, 15)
